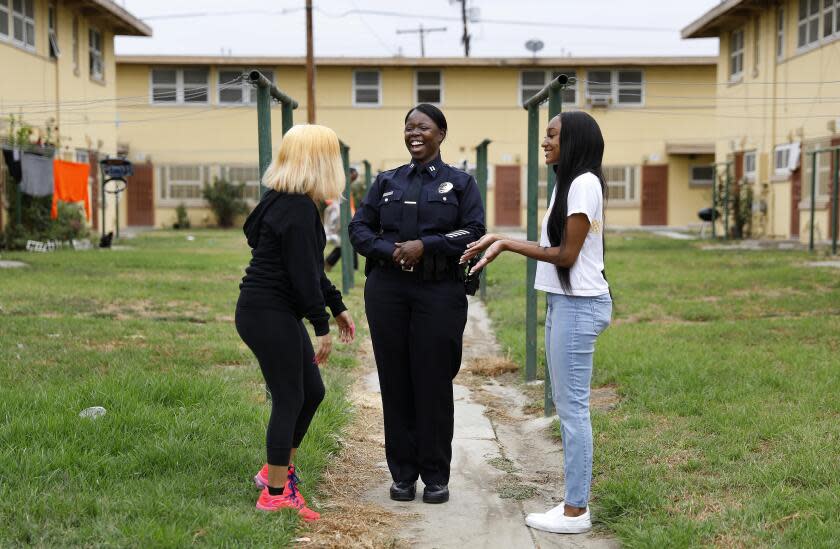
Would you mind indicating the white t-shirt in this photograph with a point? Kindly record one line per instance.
(585, 275)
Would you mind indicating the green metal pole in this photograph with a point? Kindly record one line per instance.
(726, 204)
(368, 181)
(346, 248)
(555, 107)
(264, 130)
(287, 111)
(530, 292)
(813, 199)
(834, 198)
(481, 179)
(714, 205)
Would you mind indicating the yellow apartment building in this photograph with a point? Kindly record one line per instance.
(199, 122)
(777, 96)
(59, 71)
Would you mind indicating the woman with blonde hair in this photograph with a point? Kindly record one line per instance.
(283, 284)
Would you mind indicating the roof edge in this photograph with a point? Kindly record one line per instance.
(130, 24)
(703, 26)
(416, 61)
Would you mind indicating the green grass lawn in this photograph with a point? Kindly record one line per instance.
(728, 368)
(148, 333)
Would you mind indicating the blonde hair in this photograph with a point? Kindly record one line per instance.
(308, 162)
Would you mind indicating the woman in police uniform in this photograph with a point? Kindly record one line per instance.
(412, 227)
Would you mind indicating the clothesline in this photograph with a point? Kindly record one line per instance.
(42, 175)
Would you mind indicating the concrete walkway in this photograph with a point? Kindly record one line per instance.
(490, 457)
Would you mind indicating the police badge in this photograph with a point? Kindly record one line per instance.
(445, 187)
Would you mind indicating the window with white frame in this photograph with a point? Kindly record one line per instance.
(736, 55)
(808, 26)
(785, 158)
(367, 88)
(182, 181)
(750, 166)
(831, 18)
(4, 19)
(23, 22)
(531, 82)
(619, 87)
(234, 90)
(52, 30)
(95, 57)
(428, 86)
(247, 175)
(780, 33)
(703, 174)
(186, 85)
(621, 183)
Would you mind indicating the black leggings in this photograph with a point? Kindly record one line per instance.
(283, 348)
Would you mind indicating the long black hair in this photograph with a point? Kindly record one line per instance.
(581, 151)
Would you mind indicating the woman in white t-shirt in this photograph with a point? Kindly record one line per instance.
(570, 269)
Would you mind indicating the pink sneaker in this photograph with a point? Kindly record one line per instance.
(261, 480)
(286, 500)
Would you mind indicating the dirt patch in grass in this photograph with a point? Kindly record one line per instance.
(347, 520)
(604, 398)
(512, 487)
(491, 366)
(151, 310)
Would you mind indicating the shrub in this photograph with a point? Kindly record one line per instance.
(183, 220)
(225, 200)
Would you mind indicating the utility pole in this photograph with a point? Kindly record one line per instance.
(465, 38)
(422, 31)
(310, 67)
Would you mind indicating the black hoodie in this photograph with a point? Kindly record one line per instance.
(287, 260)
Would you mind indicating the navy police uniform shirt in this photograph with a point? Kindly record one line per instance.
(449, 211)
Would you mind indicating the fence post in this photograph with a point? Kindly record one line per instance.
(368, 181)
(834, 198)
(347, 271)
(813, 199)
(481, 179)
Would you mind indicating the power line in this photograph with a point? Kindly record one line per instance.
(422, 31)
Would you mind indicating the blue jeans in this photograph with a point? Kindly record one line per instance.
(572, 324)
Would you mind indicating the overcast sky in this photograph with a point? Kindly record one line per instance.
(261, 27)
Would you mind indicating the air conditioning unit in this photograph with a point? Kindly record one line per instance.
(600, 100)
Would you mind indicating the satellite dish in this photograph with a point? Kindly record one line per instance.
(534, 46)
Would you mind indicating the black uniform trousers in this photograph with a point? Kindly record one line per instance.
(417, 329)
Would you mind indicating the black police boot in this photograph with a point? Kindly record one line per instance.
(436, 493)
(403, 491)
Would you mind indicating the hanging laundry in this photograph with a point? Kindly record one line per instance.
(12, 158)
(71, 185)
(37, 175)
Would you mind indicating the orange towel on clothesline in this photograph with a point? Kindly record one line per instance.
(71, 185)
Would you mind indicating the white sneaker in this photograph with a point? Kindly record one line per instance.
(556, 522)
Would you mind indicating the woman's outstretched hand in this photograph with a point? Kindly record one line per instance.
(475, 248)
(346, 327)
(492, 253)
